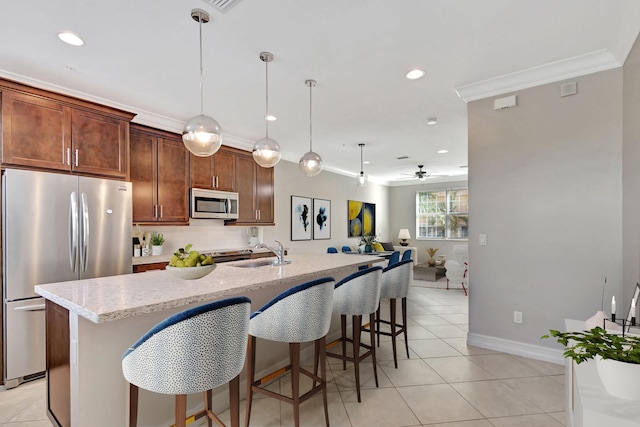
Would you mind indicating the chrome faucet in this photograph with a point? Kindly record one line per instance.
(278, 252)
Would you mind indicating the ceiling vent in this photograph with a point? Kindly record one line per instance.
(221, 5)
(402, 157)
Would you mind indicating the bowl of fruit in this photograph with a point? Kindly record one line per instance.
(189, 265)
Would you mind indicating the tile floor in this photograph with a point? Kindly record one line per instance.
(445, 383)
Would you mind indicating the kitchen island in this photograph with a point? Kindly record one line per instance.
(91, 323)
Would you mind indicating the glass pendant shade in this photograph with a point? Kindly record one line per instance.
(311, 164)
(266, 152)
(362, 180)
(202, 136)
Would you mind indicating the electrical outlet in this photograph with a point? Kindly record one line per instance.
(517, 316)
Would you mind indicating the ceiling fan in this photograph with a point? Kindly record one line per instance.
(421, 174)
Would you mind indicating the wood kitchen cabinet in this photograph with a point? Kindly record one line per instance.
(159, 176)
(216, 172)
(44, 130)
(255, 189)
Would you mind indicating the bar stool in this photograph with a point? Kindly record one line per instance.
(396, 279)
(191, 352)
(394, 258)
(300, 314)
(357, 294)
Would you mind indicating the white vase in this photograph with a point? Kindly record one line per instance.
(620, 379)
(156, 250)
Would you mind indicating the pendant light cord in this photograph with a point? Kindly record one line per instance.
(266, 84)
(361, 165)
(310, 121)
(201, 68)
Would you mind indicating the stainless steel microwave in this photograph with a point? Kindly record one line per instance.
(213, 204)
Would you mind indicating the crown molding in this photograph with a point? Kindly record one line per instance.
(580, 65)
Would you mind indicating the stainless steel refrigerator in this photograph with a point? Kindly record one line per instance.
(55, 228)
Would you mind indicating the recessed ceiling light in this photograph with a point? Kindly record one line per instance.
(415, 74)
(271, 118)
(432, 121)
(366, 162)
(464, 167)
(443, 151)
(70, 38)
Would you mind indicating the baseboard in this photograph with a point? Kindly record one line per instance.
(516, 347)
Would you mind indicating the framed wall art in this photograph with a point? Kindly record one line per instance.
(321, 219)
(361, 219)
(301, 218)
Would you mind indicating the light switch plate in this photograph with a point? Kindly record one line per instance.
(482, 240)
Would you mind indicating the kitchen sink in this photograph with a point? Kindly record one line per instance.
(255, 264)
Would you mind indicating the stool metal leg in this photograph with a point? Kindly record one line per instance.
(392, 303)
(404, 324)
(294, 357)
(181, 410)
(373, 347)
(343, 328)
(356, 323)
(323, 376)
(208, 398)
(234, 401)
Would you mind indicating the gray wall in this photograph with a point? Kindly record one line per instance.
(545, 185)
(403, 215)
(330, 186)
(631, 173)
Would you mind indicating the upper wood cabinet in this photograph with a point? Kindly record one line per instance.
(216, 172)
(255, 188)
(159, 176)
(45, 130)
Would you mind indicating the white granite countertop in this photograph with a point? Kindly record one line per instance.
(166, 255)
(111, 298)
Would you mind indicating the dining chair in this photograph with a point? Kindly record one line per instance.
(346, 249)
(332, 250)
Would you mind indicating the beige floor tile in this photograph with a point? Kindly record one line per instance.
(543, 392)
(265, 412)
(38, 423)
(456, 319)
(21, 398)
(458, 369)
(418, 332)
(447, 331)
(385, 351)
(545, 368)
(312, 412)
(432, 348)
(472, 423)
(379, 407)
(35, 412)
(558, 378)
(438, 403)
(429, 319)
(445, 309)
(504, 366)
(410, 372)
(539, 420)
(494, 399)
(346, 380)
(560, 417)
(460, 344)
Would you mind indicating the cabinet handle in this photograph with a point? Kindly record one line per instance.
(160, 211)
(216, 186)
(77, 155)
(68, 156)
(213, 182)
(155, 207)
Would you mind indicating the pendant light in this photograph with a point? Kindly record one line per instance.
(362, 177)
(202, 134)
(311, 163)
(266, 152)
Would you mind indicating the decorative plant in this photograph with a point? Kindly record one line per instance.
(157, 239)
(432, 252)
(585, 345)
(369, 239)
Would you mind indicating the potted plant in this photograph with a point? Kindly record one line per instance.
(617, 357)
(431, 251)
(157, 240)
(367, 241)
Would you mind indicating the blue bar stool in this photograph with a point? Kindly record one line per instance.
(394, 258)
(192, 351)
(357, 294)
(300, 314)
(396, 279)
(406, 255)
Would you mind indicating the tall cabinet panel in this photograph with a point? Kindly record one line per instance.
(255, 188)
(160, 176)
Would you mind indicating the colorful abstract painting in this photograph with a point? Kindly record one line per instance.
(362, 218)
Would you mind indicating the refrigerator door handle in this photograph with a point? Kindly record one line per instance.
(37, 307)
(84, 252)
(73, 231)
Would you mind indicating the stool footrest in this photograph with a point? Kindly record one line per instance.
(255, 386)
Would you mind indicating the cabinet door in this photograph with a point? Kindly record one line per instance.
(143, 176)
(245, 180)
(173, 181)
(98, 144)
(264, 194)
(202, 175)
(36, 132)
(225, 170)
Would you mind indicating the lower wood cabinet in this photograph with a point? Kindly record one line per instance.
(159, 176)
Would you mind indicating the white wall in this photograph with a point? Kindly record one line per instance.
(403, 215)
(545, 185)
(330, 186)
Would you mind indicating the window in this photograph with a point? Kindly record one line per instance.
(442, 214)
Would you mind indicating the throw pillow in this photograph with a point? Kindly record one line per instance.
(387, 246)
(377, 247)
